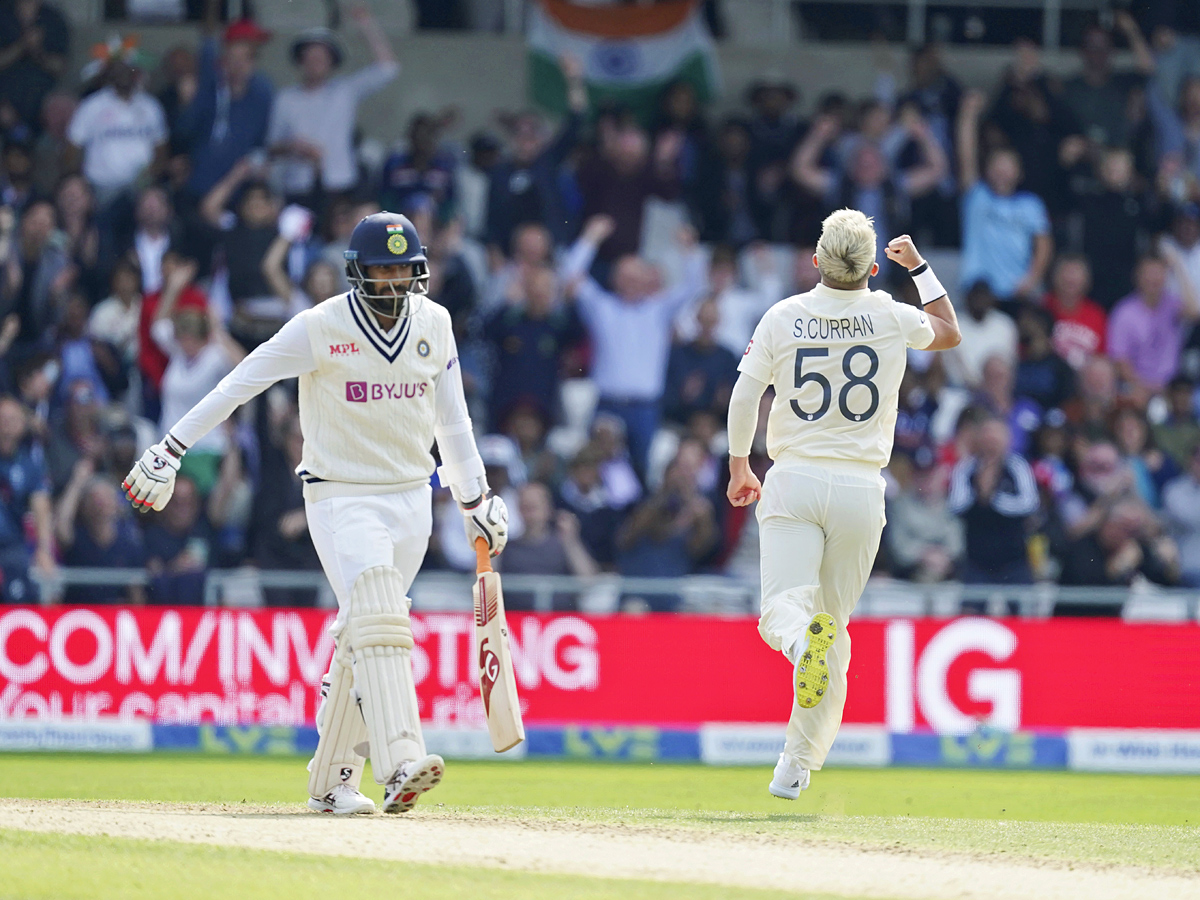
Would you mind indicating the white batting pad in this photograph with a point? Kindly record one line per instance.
(341, 728)
(380, 642)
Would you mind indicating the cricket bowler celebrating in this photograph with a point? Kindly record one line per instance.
(835, 356)
(379, 381)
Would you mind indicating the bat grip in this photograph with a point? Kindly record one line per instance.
(483, 556)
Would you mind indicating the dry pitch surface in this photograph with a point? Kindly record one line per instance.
(785, 851)
(432, 836)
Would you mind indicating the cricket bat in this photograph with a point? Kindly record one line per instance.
(497, 683)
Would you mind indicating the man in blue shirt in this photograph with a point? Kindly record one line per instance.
(23, 490)
(529, 339)
(228, 117)
(1006, 232)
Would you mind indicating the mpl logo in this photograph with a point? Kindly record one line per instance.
(356, 391)
(343, 349)
(923, 682)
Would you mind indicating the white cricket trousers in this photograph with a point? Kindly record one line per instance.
(353, 534)
(819, 528)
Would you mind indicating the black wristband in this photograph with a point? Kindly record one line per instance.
(173, 446)
(918, 270)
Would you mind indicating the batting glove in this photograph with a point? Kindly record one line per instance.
(487, 518)
(151, 481)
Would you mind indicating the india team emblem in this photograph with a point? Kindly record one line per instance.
(423, 348)
(397, 243)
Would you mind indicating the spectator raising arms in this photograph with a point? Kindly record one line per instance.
(1006, 231)
(527, 187)
(200, 353)
(227, 117)
(625, 173)
(312, 123)
(631, 328)
(868, 182)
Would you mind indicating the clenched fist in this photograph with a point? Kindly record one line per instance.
(902, 250)
(151, 481)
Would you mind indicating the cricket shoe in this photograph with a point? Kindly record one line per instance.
(790, 778)
(812, 664)
(410, 781)
(343, 800)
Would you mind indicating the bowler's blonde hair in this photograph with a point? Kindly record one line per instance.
(846, 250)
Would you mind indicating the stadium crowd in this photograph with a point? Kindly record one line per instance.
(160, 219)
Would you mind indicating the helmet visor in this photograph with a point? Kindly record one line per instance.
(395, 296)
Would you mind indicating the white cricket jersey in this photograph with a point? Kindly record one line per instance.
(371, 403)
(836, 359)
(367, 410)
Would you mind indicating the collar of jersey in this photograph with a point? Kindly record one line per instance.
(823, 290)
(389, 347)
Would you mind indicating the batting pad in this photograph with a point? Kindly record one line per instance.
(341, 727)
(381, 642)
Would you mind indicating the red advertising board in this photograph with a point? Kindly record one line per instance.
(186, 666)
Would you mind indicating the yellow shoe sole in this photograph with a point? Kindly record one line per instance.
(812, 670)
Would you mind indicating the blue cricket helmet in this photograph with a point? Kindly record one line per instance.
(387, 239)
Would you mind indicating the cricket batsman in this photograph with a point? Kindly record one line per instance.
(379, 382)
(835, 356)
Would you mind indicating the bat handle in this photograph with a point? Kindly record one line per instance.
(483, 556)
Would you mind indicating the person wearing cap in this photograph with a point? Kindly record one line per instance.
(312, 123)
(227, 117)
(118, 135)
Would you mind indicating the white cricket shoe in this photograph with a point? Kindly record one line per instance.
(410, 781)
(343, 800)
(790, 778)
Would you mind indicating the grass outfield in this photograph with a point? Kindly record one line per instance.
(609, 788)
(68, 867)
(1148, 821)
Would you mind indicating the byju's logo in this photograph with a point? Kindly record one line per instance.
(361, 391)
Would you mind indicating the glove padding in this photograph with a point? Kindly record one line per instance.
(151, 481)
(488, 519)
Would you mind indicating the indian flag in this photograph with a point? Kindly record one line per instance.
(629, 53)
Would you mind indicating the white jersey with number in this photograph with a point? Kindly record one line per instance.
(836, 359)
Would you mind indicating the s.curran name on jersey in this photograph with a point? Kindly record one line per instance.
(362, 391)
(833, 329)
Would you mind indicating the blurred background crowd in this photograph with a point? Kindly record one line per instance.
(160, 218)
